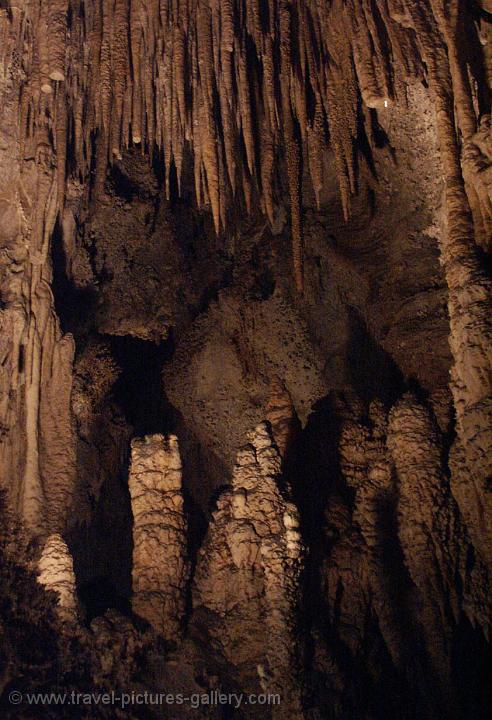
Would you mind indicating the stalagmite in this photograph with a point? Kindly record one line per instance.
(425, 519)
(56, 573)
(367, 469)
(249, 567)
(160, 569)
(432, 535)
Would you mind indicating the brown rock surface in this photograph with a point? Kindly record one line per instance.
(159, 533)
(56, 573)
(283, 208)
(248, 568)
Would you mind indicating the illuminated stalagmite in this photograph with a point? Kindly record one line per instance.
(159, 533)
(56, 573)
(249, 567)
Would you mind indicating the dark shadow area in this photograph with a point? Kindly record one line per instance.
(138, 391)
(472, 660)
(74, 306)
(99, 595)
(372, 372)
(312, 466)
(102, 550)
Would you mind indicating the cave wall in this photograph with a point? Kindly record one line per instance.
(284, 209)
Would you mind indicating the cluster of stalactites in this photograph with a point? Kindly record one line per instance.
(232, 84)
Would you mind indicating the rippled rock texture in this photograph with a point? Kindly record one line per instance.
(245, 353)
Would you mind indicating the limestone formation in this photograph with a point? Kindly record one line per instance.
(141, 52)
(160, 568)
(249, 567)
(433, 537)
(151, 154)
(395, 465)
(56, 573)
(367, 469)
(281, 415)
(37, 455)
(125, 64)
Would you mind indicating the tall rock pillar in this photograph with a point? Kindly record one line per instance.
(160, 569)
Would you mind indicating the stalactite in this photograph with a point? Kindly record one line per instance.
(228, 138)
(449, 16)
(315, 143)
(61, 146)
(269, 82)
(227, 18)
(210, 160)
(179, 72)
(57, 24)
(292, 152)
(43, 50)
(91, 69)
(119, 72)
(228, 82)
(340, 104)
(244, 110)
(267, 165)
(205, 51)
(135, 35)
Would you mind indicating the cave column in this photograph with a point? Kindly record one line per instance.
(160, 568)
(37, 447)
(470, 289)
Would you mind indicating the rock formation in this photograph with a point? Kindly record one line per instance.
(215, 213)
(281, 415)
(399, 551)
(38, 442)
(367, 470)
(433, 536)
(56, 573)
(249, 567)
(159, 533)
